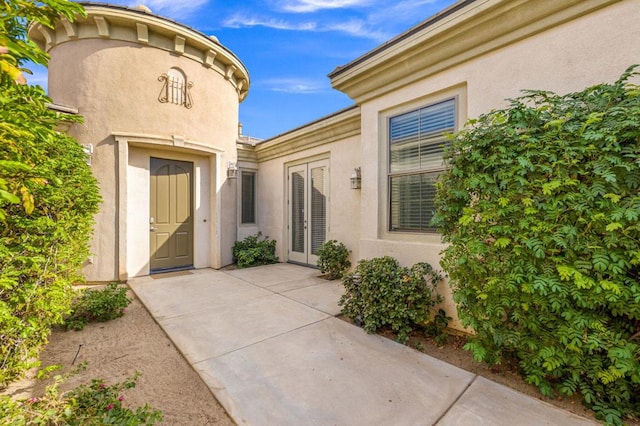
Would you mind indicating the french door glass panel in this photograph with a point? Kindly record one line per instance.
(298, 211)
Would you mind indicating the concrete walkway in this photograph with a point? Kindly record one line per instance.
(266, 342)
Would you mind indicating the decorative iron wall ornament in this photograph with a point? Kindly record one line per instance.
(175, 89)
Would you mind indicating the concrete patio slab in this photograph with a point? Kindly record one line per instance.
(323, 296)
(488, 403)
(268, 275)
(265, 341)
(228, 327)
(297, 284)
(332, 373)
(170, 297)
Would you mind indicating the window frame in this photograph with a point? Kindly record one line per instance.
(176, 88)
(389, 175)
(241, 178)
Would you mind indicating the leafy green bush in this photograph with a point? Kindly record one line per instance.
(93, 404)
(47, 197)
(436, 327)
(333, 259)
(541, 209)
(97, 305)
(255, 250)
(381, 293)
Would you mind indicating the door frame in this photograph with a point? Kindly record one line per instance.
(305, 166)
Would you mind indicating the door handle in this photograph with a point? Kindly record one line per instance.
(152, 228)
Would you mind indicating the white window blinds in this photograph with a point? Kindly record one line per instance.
(318, 209)
(416, 142)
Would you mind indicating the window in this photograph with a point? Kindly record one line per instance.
(416, 142)
(248, 203)
(175, 89)
(176, 86)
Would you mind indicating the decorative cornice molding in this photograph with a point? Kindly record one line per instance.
(70, 28)
(103, 26)
(338, 126)
(475, 29)
(179, 44)
(246, 153)
(142, 32)
(175, 142)
(135, 26)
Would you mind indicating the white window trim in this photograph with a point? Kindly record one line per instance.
(457, 92)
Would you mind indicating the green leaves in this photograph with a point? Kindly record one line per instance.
(333, 259)
(381, 293)
(255, 250)
(97, 305)
(48, 197)
(540, 208)
(87, 404)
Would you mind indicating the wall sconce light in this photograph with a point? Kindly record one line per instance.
(356, 179)
(232, 170)
(88, 150)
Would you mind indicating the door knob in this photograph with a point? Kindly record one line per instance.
(152, 228)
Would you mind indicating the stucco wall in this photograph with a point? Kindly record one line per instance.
(114, 85)
(589, 50)
(344, 225)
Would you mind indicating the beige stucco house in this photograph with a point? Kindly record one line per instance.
(363, 175)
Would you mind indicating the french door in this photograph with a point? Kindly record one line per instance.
(308, 203)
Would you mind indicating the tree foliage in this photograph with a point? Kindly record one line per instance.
(47, 196)
(540, 208)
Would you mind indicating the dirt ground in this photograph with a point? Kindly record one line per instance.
(505, 374)
(117, 349)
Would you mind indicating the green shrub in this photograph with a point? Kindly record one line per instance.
(48, 197)
(89, 404)
(255, 250)
(436, 327)
(333, 259)
(541, 209)
(97, 305)
(381, 293)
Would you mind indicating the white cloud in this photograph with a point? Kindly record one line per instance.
(403, 11)
(239, 21)
(170, 8)
(380, 21)
(293, 85)
(358, 28)
(353, 27)
(306, 6)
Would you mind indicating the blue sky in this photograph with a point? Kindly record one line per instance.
(289, 47)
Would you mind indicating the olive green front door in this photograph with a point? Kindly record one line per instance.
(171, 214)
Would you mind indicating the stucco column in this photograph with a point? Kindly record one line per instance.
(121, 213)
